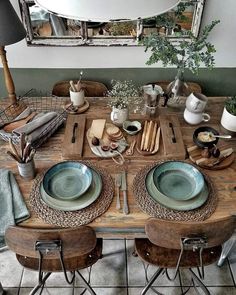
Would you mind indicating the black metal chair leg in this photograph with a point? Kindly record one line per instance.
(2, 292)
(152, 280)
(201, 285)
(41, 284)
(87, 286)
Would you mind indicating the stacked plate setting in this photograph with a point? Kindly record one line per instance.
(70, 186)
(177, 185)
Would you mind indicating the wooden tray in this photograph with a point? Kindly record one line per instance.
(74, 150)
(141, 139)
(69, 108)
(172, 137)
(195, 155)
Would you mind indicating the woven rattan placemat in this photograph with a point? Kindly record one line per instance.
(154, 209)
(73, 218)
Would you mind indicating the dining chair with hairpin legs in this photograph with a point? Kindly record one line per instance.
(55, 250)
(183, 245)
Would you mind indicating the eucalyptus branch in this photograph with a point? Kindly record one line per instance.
(188, 53)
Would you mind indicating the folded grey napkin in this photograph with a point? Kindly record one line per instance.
(35, 124)
(12, 206)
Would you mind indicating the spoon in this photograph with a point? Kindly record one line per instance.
(130, 150)
(222, 136)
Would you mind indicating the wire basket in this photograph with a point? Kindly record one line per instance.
(39, 105)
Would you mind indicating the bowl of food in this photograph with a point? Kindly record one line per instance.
(204, 137)
(132, 127)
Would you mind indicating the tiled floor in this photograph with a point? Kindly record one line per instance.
(118, 273)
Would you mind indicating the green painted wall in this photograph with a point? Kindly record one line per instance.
(218, 82)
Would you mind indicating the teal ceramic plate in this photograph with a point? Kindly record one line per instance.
(67, 180)
(84, 201)
(178, 180)
(190, 204)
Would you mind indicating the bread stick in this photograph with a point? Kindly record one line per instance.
(154, 132)
(143, 135)
(148, 135)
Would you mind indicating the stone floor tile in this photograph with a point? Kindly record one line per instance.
(111, 269)
(30, 279)
(136, 274)
(49, 291)
(104, 291)
(177, 291)
(214, 276)
(10, 269)
(11, 291)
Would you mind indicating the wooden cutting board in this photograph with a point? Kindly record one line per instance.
(172, 137)
(74, 150)
(195, 155)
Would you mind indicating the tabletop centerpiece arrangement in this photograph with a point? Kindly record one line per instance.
(190, 52)
(122, 95)
(228, 119)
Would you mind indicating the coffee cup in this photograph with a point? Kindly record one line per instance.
(195, 118)
(196, 102)
(77, 98)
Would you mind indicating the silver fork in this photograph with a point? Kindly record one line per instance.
(118, 185)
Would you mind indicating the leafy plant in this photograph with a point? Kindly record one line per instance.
(230, 105)
(122, 94)
(187, 53)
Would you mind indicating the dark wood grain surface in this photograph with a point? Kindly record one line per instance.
(115, 223)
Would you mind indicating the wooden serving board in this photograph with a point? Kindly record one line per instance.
(74, 150)
(70, 110)
(195, 155)
(97, 150)
(153, 139)
(172, 137)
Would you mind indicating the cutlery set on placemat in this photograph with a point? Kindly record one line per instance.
(121, 185)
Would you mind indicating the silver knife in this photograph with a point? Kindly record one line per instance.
(124, 189)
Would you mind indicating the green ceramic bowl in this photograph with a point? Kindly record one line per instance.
(67, 180)
(178, 180)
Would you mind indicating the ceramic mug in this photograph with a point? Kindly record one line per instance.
(196, 102)
(195, 118)
(77, 98)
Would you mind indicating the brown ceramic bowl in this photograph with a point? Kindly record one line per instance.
(203, 144)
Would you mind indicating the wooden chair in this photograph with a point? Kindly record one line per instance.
(91, 88)
(178, 245)
(55, 250)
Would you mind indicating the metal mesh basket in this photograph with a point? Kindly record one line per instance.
(36, 104)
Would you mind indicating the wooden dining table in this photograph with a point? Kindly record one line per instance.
(114, 223)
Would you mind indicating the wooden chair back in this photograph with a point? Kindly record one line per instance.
(167, 234)
(75, 242)
(91, 88)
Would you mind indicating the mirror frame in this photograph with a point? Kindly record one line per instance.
(85, 40)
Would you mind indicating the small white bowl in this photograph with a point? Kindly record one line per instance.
(132, 127)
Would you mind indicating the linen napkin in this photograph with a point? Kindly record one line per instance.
(35, 124)
(12, 207)
(34, 128)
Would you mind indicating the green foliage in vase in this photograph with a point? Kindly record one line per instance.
(122, 94)
(188, 53)
(230, 105)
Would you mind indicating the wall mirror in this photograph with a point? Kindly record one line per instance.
(44, 28)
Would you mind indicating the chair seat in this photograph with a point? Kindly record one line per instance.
(71, 264)
(167, 258)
